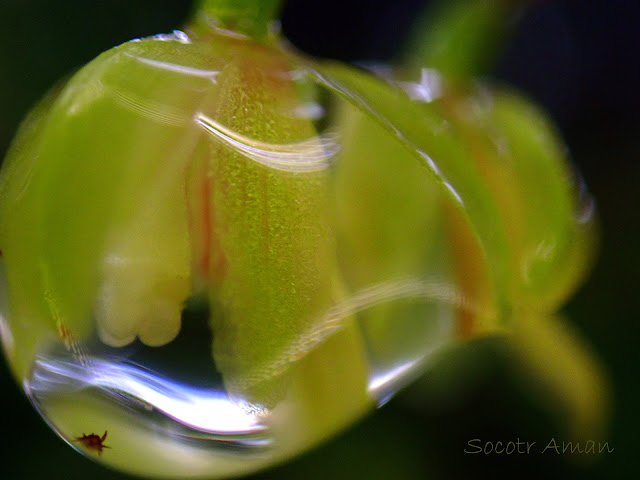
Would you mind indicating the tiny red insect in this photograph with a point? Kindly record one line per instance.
(93, 442)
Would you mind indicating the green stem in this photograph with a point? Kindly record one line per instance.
(462, 38)
(255, 18)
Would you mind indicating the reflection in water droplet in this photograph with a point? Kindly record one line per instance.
(163, 404)
(140, 357)
(436, 170)
(383, 293)
(307, 156)
(176, 35)
(182, 69)
(364, 106)
(205, 411)
(155, 111)
(310, 110)
(386, 384)
(428, 89)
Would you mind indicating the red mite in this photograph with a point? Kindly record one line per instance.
(93, 442)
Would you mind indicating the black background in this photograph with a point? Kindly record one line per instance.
(579, 59)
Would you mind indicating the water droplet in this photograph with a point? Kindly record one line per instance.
(240, 263)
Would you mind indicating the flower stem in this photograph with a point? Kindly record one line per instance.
(254, 18)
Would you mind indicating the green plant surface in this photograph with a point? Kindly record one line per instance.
(92, 205)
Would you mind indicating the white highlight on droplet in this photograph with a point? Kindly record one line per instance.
(309, 155)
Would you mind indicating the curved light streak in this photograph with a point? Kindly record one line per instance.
(203, 410)
(310, 155)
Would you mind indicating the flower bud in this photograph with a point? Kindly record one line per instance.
(221, 252)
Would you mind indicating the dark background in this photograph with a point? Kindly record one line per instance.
(579, 59)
